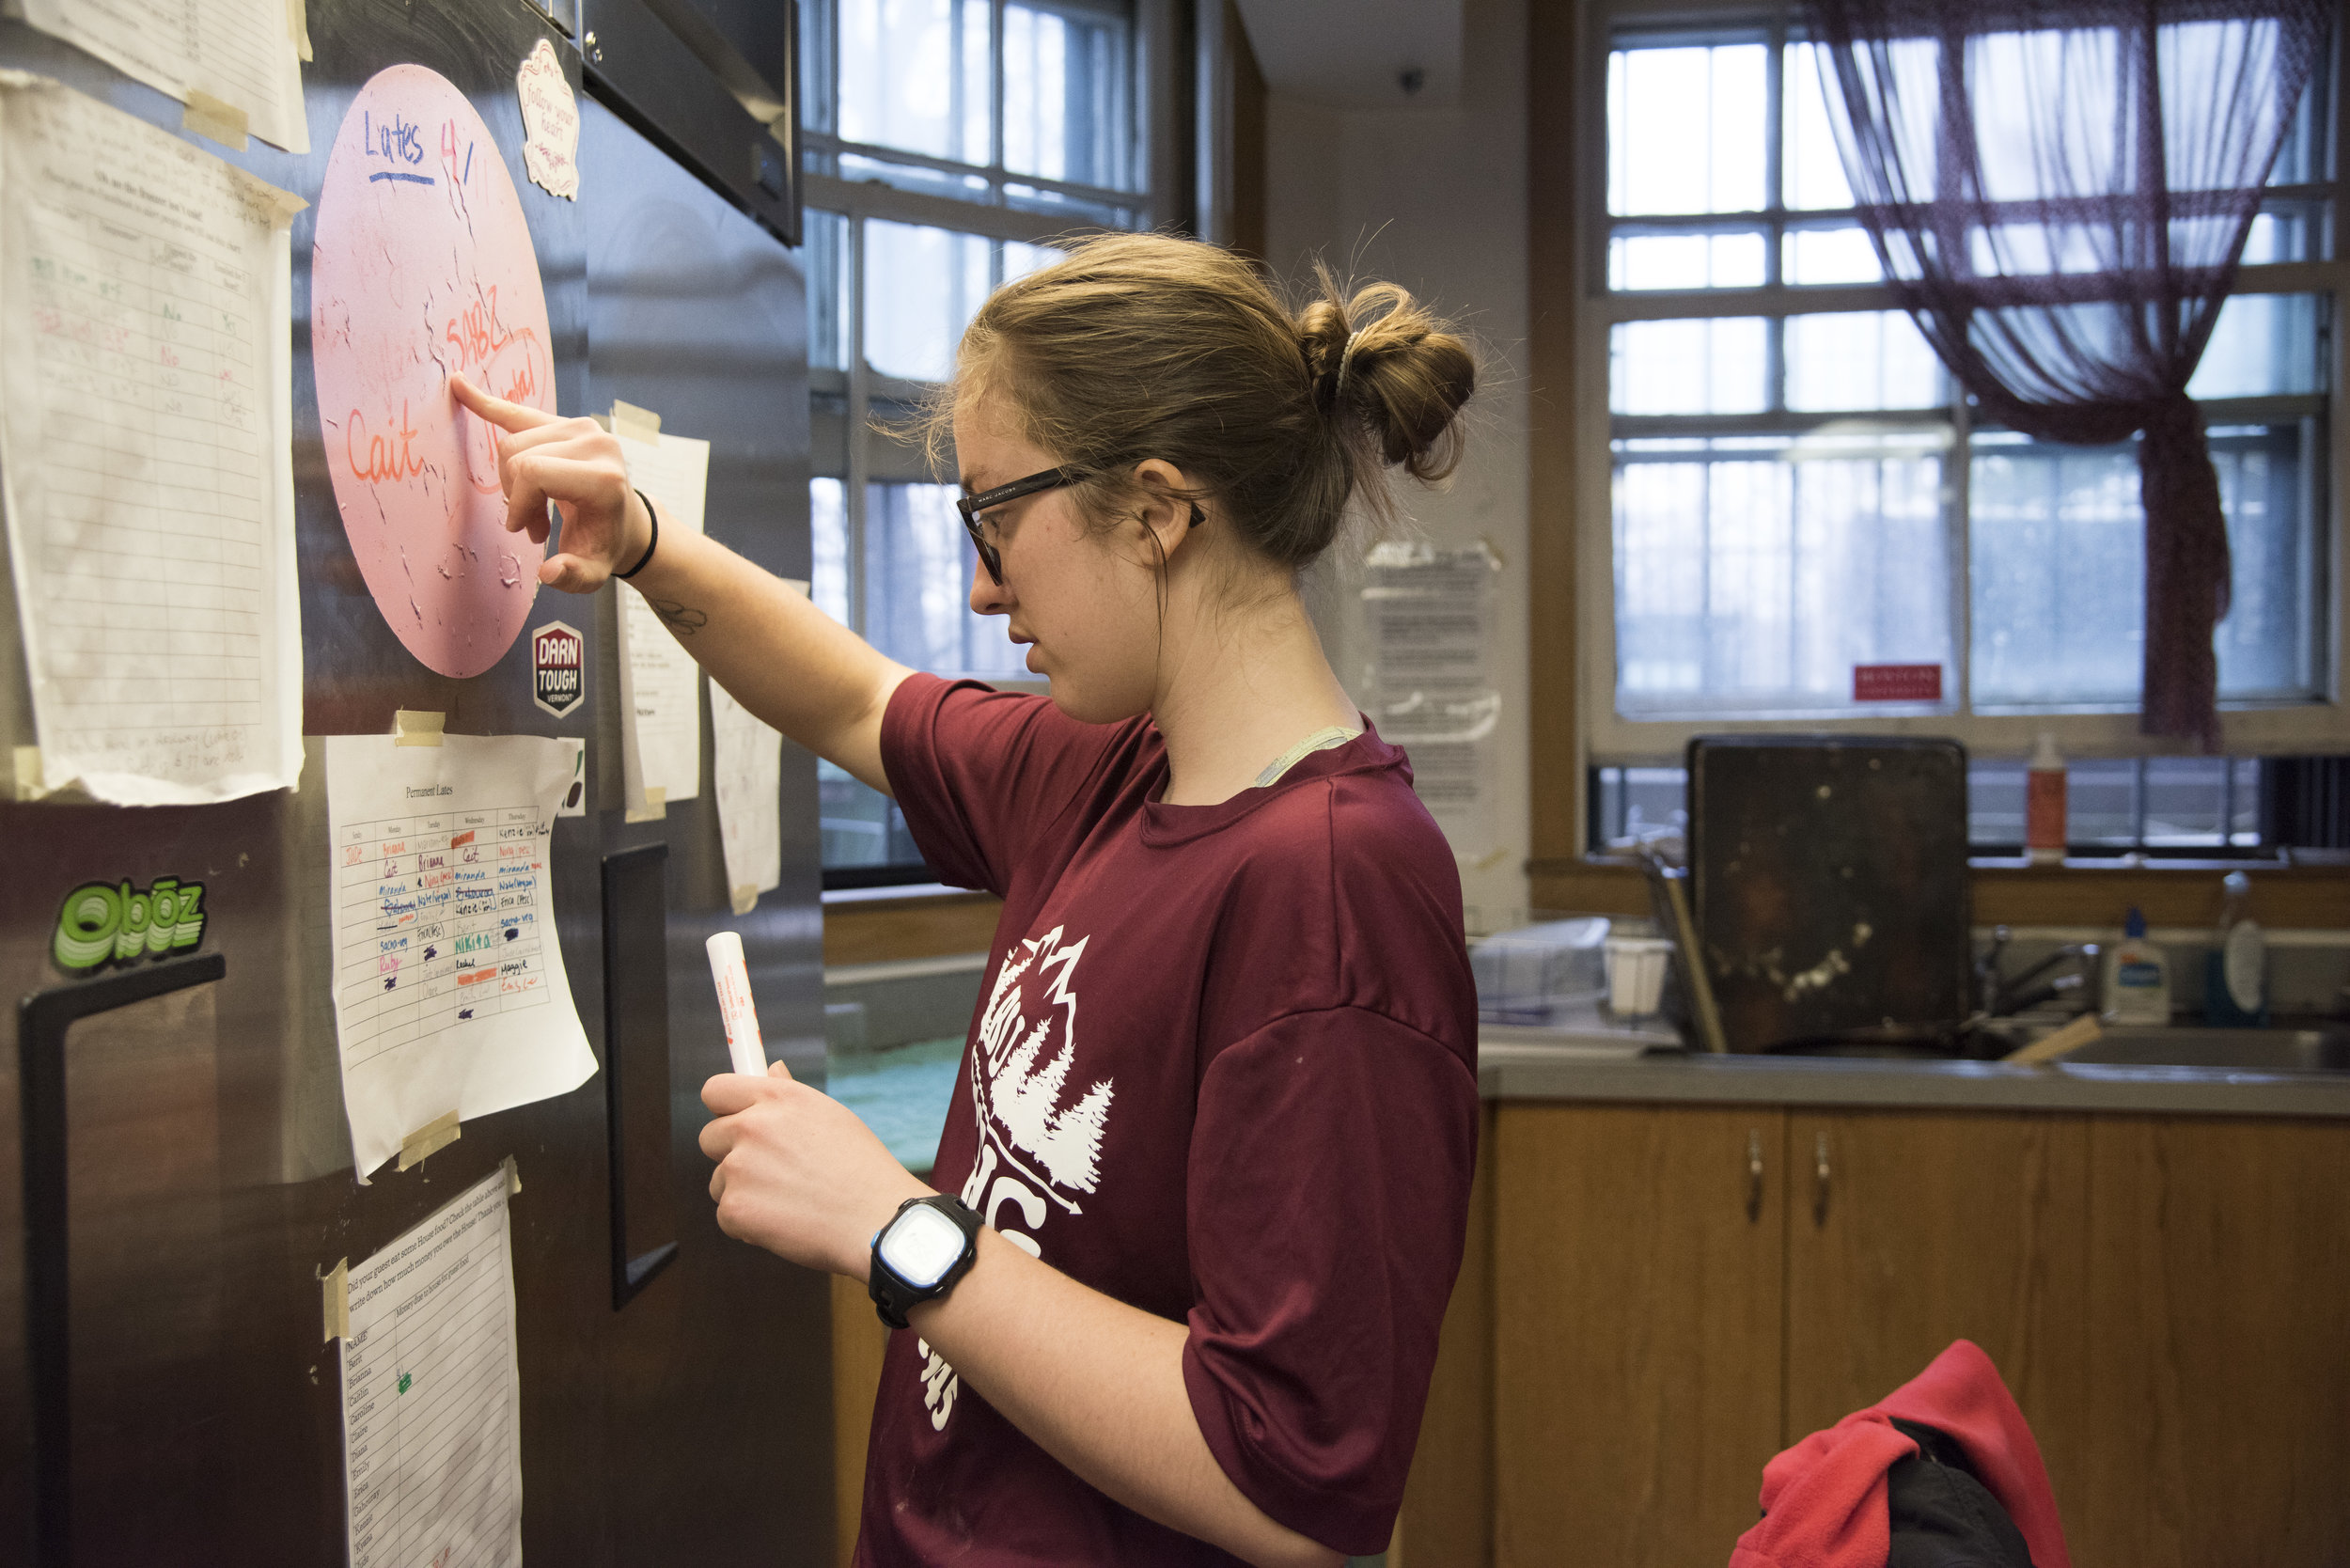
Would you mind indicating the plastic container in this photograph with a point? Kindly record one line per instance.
(2138, 978)
(2045, 820)
(1522, 974)
(2235, 972)
(1636, 975)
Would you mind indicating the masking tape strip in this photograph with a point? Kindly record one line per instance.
(208, 116)
(655, 807)
(637, 424)
(513, 1175)
(745, 897)
(335, 1300)
(433, 1136)
(412, 728)
(298, 26)
(31, 783)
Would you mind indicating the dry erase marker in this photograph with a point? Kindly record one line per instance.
(734, 1003)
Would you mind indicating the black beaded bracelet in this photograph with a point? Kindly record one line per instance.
(654, 518)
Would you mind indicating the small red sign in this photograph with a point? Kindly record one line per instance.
(1896, 682)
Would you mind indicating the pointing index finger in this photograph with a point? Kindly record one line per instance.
(497, 411)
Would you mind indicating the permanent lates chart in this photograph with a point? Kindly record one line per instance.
(449, 990)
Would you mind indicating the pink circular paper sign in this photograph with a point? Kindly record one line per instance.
(423, 266)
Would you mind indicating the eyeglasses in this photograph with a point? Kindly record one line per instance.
(971, 505)
(1050, 479)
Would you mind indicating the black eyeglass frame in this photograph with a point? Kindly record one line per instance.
(971, 505)
(1050, 479)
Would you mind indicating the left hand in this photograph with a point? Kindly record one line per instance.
(798, 1173)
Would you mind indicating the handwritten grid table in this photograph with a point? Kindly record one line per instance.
(442, 915)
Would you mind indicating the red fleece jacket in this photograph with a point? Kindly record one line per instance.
(1824, 1499)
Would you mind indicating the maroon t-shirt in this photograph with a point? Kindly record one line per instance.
(1222, 1068)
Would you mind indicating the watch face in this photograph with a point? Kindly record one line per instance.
(920, 1245)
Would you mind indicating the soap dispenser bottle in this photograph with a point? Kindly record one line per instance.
(2235, 972)
(2138, 978)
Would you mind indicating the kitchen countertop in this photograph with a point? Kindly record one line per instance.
(1584, 1056)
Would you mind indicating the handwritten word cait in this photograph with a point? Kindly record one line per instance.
(423, 268)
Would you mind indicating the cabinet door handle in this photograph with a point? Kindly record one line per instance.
(1820, 1181)
(1754, 1175)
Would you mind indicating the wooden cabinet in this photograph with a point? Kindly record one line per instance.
(2219, 1346)
(1637, 1257)
(2167, 1297)
(1906, 1231)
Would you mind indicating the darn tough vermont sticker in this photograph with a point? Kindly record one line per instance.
(558, 668)
(101, 924)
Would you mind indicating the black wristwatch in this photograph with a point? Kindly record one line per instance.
(927, 1246)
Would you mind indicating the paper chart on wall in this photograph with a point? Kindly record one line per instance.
(242, 55)
(1431, 685)
(431, 1402)
(145, 434)
(449, 989)
(747, 766)
(661, 719)
(423, 267)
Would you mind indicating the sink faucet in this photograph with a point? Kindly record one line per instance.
(2003, 995)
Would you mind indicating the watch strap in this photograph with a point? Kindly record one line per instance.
(893, 1296)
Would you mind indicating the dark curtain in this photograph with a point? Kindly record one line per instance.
(2061, 191)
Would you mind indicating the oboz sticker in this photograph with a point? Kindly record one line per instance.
(558, 675)
(100, 924)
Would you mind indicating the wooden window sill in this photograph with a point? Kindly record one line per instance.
(925, 925)
(2080, 892)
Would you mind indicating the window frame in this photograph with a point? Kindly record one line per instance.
(1606, 737)
(869, 457)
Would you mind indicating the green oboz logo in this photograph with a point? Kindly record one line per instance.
(101, 924)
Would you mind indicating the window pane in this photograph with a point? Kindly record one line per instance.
(921, 287)
(1718, 366)
(2186, 798)
(1831, 255)
(2101, 802)
(1813, 171)
(829, 539)
(913, 75)
(2058, 538)
(1752, 575)
(858, 824)
(2262, 345)
(826, 257)
(1020, 261)
(1686, 130)
(1870, 359)
(1686, 261)
(1065, 101)
(918, 584)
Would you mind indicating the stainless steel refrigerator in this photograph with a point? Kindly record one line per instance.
(175, 1165)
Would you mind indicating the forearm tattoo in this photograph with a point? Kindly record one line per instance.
(678, 617)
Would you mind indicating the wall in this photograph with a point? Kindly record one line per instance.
(1434, 198)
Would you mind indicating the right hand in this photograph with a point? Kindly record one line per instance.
(575, 463)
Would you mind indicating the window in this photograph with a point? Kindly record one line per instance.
(947, 142)
(1809, 525)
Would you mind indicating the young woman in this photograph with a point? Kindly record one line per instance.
(1212, 1135)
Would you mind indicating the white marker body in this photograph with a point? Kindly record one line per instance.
(735, 1005)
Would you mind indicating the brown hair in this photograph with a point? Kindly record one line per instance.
(1139, 346)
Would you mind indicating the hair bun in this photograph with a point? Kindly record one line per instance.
(1385, 365)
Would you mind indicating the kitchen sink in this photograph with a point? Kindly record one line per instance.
(2320, 1050)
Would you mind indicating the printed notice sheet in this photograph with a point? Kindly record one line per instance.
(431, 1435)
(660, 709)
(449, 991)
(240, 55)
(145, 434)
(747, 765)
(1432, 683)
